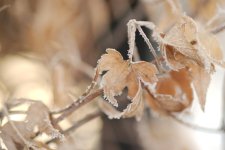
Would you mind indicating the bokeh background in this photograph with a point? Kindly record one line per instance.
(48, 51)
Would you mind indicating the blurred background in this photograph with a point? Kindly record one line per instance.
(48, 51)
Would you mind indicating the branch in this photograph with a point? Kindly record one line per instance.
(147, 41)
(4, 7)
(197, 127)
(153, 2)
(88, 90)
(78, 124)
(28, 144)
(218, 29)
(77, 104)
(11, 112)
(83, 121)
(118, 34)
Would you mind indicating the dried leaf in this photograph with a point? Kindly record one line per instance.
(201, 79)
(187, 45)
(10, 137)
(173, 93)
(154, 105)
(184, 80)
(135, 108)
(114, 81)
(212, 47)
(173, 59)
(199, 76)
(183, 37)
(124, 73)
(37, 116)
(146, 71)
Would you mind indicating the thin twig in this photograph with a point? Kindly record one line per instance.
(83, 121)
(131, 33)
(86, 68)
(175, 6)
(89, 89)
(116, 36)
(153, 2)
(147, 41)
(27, 143)
(218, 29)
(16, 102)
(198, 8)
(77, 104)
(197, 127)
(4, 7)
(78, 124)
(12, 112)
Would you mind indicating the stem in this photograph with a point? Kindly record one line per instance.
(17, 102)
(88, 90)
(17, 112)
(4, 7)
(153, 1)
(131, 38)
(83, 121)
(196, 127)
(78, 124)
(149, 45)
(77, 104)
(218, 29)
(20, 135)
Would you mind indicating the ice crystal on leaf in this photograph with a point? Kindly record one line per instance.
(184, 46)
(186, 49)
(125, 73)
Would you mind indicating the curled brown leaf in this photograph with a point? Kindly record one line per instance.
(173, 93)
(122, 74)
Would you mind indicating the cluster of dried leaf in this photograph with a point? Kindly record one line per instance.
(168, 83)
(187, 65)
(17, 134)
(187, 55)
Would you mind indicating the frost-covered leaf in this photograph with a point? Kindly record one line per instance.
(18, 134)
(183, 79)
(199, 76)
(121, 74)
(173, 58)
(173, 93)
(212, 47)
(154, 105)
(146, 71)
(38, 115)
(135, 108)
(114, 80)
(11, 138)
(184, 38)
(201, 79)
(188, 45)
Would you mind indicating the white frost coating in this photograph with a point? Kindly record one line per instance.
(109, 95)
(131, 37)
(135, 108)
(134, 25)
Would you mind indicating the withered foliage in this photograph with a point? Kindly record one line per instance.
(17, 134)
(120, 74)
(190, 62)
(183, 65)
